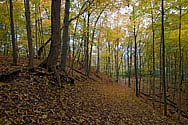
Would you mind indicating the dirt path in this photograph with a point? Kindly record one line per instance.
(113, 104)
(26, 102)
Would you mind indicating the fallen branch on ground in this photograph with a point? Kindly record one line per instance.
(8, 74)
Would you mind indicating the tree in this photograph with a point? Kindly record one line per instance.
(52, 58)
(65, 36)
(163, 59)
(92, 37)
(153, 53)
(135, 55)
(128, 62)
(86, 43)
(180, 63)
(98, 51)
(14, 45)
(29, 35)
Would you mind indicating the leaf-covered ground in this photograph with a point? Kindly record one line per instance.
(25, 101)
(29, 98)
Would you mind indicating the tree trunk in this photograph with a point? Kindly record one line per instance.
(180, 67)
(109, 58)
(36, 30)
(153, 57)
(135, 59)
(92, 37)
(175, 77)
(65, 36)
(116, 57)
(73, 47)
(163, 60)
(160, 65)
(135, 66)
(86, 45)
(140, 66)
(14, 45)
(82, 11)
(56, 36)
(131, 62)
(98, 52)
(29, 36)
(41, 33)
(128, 63)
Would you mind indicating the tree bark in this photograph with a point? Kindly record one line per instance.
(163, 60)
(140, 66)
(98, 52)
(116, 57)
(29, 35)
(86, 45)
(135, 58)
(153, 56)
(14, 44)
(128, 63)
(36, 30)
(65, 36)
(180, 66)
(56, 36)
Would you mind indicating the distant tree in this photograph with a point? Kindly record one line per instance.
(93, 34)
(86, 43)
(135, 54)
(98, 52)
(153, 54)
(128, 64)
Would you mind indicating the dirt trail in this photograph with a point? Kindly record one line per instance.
(114, 104)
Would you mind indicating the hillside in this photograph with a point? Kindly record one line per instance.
(31, 97)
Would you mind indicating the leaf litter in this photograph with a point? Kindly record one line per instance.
(27, 101)
(31, 99)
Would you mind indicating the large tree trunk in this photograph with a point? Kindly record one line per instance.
(82, 11)
(65, 36)
(29, 36)
(14, 45)
(56, 36)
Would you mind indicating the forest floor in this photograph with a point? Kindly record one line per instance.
(31, 99)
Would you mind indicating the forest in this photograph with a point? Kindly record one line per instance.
(114, 62)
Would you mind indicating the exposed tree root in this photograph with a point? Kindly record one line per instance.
(5, 76)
